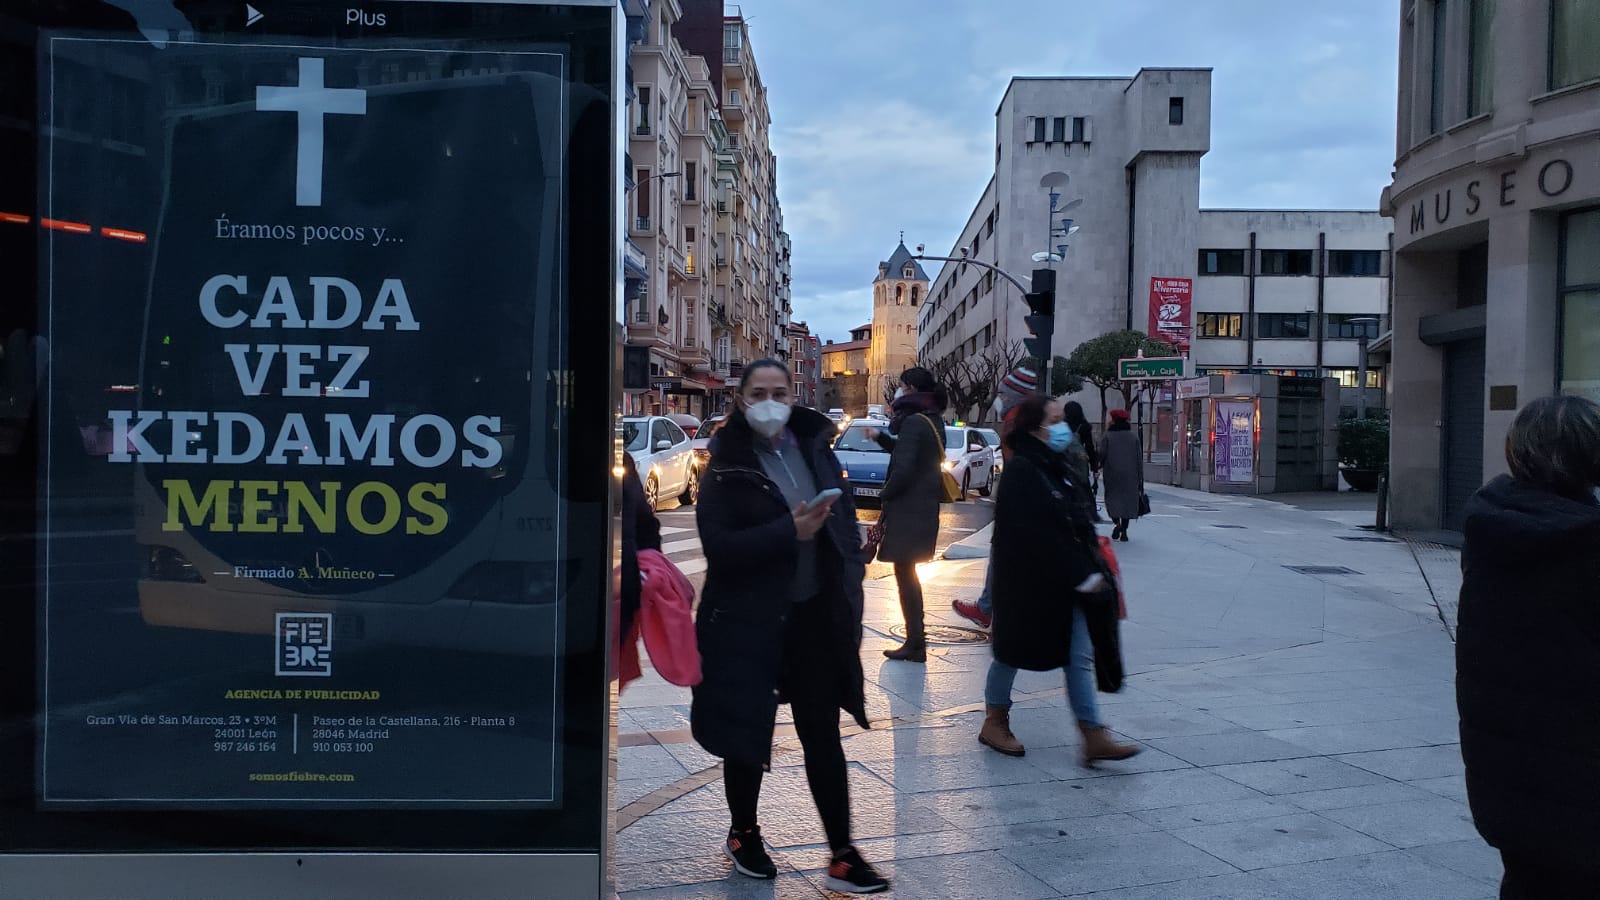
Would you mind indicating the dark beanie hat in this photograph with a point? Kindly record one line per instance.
(919, 379)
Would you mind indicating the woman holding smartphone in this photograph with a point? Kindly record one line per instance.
(780, 615)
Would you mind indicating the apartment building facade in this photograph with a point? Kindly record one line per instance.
(702, 250)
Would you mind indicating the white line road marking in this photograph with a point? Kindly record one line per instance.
(672, 547)
(693, 566)
(667, 529)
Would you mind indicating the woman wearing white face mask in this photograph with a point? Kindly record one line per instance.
(780, 614)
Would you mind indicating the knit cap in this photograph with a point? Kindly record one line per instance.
(1016, 386)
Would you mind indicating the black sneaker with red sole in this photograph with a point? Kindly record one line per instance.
(850, 874)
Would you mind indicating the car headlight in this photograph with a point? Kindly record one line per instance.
(948, 465)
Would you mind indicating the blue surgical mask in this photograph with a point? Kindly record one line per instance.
(1060, 437)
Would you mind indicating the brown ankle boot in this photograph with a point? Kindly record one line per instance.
(1097, 744)
(996, 733)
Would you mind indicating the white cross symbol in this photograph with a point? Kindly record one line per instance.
(311, 101)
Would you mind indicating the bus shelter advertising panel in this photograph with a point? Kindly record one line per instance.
(318, 495)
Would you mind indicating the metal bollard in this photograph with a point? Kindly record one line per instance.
(1383, 500)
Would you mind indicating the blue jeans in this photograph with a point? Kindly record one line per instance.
(985, 605)
(1080, 677)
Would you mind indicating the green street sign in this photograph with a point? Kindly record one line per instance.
(1151, 368)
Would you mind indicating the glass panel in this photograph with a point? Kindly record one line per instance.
(1437, 61)
(1580, 345)
(1574, 42)
(1480, 58)
(1582, 249)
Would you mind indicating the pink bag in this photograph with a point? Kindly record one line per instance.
(666, 619)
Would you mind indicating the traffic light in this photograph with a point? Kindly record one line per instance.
(1041, 318)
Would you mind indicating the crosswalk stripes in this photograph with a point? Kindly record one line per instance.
(680, 541)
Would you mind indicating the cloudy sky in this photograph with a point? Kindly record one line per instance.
(883, 111)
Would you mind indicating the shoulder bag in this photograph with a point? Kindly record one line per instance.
(950, 491)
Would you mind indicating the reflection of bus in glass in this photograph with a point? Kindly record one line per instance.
(352, 408)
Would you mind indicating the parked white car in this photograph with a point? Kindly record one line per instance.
(664, 457)
(970, 457)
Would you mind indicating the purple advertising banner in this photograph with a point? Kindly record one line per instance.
(1233, 454)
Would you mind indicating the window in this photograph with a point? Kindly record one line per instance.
(1580, 304)
(1480, 57)
(1351, 326)
(914, 292)
(1222, 262)
(1080, 129)
(642, 191)
(1175, 111)
(1038, 128)
(1347, 377)
(1283, 325)
(1058, 129)
(910, 270)
(1286, 262)
(1368, 263)
(689, 182)
(644, 109)
(1219, 325)
(659, 433)
(1574, 42)
(1436, 61)
(899, 294)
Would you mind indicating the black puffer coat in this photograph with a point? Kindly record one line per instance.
(1043, 548)
(1528, 672)
(748, 537)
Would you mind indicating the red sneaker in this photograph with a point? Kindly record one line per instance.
(969, 610)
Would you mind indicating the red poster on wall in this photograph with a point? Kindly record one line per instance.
(1170, 301)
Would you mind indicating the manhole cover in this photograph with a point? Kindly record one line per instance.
(1219, 525)
(946, 634)
(1365, 539)
(1322, 570)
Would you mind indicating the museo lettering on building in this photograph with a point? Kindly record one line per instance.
(1496, 206)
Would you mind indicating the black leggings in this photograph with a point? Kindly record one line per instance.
(910, 586)
(816, 722)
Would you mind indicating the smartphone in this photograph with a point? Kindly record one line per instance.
(825, 496)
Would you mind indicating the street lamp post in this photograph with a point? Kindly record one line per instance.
(1361, 370)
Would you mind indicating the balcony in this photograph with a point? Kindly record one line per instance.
(641, 224)
(693, 352)
(733, 113)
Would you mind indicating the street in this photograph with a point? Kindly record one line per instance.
(1290, 681)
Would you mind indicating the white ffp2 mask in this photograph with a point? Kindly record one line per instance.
(767, 417)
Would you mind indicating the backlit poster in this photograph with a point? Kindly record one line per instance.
(344, 580)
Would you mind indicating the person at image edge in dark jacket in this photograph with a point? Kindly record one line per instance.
(1528, 654)
(641, 530)
(911, 496)
(780, 615)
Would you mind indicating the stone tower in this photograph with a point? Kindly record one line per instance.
(897, 296)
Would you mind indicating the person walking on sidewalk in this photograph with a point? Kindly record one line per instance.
(911, 496)
(1122, 461)
(1047, 573)
(1528, 654)
(780, 615)
(1017, 386)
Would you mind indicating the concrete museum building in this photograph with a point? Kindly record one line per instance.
(1496, 208)
(1291, 295)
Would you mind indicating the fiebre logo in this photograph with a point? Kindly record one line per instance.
(304, 644)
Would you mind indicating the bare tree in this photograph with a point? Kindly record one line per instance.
(973, 382)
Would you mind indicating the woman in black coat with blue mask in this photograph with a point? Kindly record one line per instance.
(780, 615)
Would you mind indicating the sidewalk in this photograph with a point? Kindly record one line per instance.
(1299, 730)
